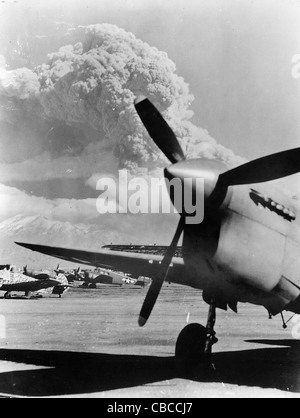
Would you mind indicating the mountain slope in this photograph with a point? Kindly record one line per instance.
(37, 229)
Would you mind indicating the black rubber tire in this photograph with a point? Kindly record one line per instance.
(190, 350)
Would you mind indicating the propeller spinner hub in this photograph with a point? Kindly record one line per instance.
(199, 178)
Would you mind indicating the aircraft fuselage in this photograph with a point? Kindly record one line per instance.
(248, 250)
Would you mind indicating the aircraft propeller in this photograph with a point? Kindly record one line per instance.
(272, 167)
(159, 130)
(156, 284)
(265, 169)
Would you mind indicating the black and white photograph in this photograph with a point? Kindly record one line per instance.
(149, 201)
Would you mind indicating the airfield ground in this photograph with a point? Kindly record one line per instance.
(88, 344)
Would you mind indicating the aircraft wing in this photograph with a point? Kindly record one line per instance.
(136, 264)
(34, 285)
(145, 249)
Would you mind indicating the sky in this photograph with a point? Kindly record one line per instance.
(230, 62)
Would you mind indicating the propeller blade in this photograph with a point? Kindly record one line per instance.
(157, 283)
(159, 130)
(272, 167)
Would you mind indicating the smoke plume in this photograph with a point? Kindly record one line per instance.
(88, 90)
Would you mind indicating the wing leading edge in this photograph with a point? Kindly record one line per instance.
(135, 264)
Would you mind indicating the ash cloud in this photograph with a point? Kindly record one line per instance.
(88, 89)
(21, 83)
(2, 62)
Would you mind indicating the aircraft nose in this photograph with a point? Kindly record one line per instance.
(189, 171)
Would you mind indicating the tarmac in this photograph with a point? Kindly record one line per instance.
(88, 344)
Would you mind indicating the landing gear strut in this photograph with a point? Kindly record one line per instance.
(7, 295)
(194, 345)
(284, 324)
(211, 338)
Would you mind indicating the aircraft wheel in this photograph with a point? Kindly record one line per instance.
(190, 348)
(7, 295)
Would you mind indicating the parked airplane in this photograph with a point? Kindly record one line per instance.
(105, 277)
(13, 281)
(246, 249)
(45, 275)
(41, 274)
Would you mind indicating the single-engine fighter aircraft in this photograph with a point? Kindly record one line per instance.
(13, 281)
(246, 249)
(41, 274)
(100, 276)
(44, 275)
(106, 277)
